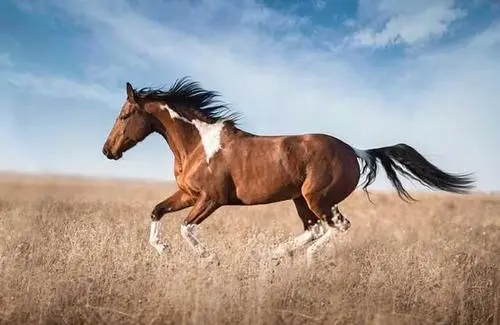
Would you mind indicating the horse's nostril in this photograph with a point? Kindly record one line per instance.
(106, 152)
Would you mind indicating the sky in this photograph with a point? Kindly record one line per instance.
(370, 72)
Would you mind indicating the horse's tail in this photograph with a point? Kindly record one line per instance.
(412, 165)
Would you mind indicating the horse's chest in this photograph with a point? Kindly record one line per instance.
(184, 183)
(204, 179)
(191, 181)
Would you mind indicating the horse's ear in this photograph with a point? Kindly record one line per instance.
(131, 93)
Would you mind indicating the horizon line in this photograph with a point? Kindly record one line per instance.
(95, 178)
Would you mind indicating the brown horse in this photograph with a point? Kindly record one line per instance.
(217, 163)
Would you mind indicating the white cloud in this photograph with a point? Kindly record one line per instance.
(442, 102)
(319, 4)
(60, 87)
(409, 22)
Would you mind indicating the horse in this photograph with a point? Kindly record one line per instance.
(217, 163)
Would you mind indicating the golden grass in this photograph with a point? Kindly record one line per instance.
(76, 252)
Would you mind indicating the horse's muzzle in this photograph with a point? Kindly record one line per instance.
(109, 154)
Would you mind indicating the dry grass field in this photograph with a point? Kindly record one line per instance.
(76, 251)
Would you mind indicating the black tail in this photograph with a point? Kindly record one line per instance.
(417, 168)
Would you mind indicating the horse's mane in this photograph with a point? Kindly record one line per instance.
(188, 98)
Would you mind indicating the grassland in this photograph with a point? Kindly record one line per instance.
(75, 251)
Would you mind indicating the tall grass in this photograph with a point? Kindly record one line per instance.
(76, 252)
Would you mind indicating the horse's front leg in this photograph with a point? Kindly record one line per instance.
(177, 201)
(203, 208)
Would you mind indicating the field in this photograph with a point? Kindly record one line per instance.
(75, 251)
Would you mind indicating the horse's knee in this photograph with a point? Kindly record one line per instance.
(159, 211)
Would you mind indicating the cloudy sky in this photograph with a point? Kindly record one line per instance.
(371, 72)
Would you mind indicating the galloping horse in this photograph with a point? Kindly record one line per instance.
(217, 164)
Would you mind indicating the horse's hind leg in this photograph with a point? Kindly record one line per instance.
(328, 213)
(312, 229)
(338, 220)
(318, 244)
(307, 216)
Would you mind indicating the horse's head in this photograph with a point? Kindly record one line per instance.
(132, 125)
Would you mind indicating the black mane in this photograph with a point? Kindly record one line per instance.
(190, 100)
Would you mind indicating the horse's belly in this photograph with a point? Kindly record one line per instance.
(267, 169)
(266, 189)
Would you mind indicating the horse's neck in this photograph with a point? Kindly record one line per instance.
(182, 138)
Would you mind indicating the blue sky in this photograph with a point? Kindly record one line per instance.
(372, 72)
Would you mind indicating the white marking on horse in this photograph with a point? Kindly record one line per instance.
(154, 237)
(174, 114)
(209, 133)
(189, 234)
(310, 235)
(320, 242)
(210, 137)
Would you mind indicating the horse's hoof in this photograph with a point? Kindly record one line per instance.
(161, 248)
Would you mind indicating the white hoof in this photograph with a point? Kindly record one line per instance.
(160, 248)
